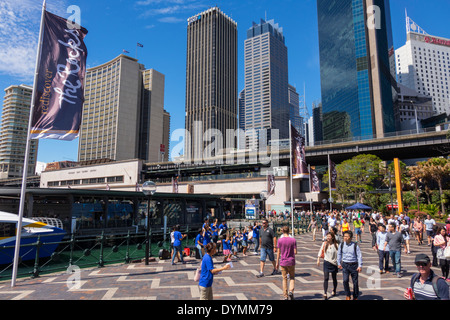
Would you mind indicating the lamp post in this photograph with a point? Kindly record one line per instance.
(149, 189)
(263, 196)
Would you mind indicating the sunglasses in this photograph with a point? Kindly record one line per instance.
(421, 264)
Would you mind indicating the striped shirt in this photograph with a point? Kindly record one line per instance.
(426, 291)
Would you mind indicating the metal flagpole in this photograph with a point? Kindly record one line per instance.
(27, 153)
(329, 182)
(290, 161)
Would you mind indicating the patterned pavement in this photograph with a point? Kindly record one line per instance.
(162, 281)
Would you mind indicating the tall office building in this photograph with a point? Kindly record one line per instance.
(266, 83)
(357, 68)
(122, 112)
(423, 64)
(294, 110)
(13, 133)
(211, 82)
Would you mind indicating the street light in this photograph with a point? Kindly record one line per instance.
(149, 189)
(263, 195)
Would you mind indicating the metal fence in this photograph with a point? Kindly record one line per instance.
(90, 251)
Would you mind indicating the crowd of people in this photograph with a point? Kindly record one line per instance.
(341, 233)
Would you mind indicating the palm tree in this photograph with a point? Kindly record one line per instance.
(437, 169)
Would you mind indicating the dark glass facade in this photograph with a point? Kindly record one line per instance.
(346, 77)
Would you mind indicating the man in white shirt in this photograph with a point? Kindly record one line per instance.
(429, 224)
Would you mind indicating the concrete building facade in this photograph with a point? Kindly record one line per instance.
(13, 133)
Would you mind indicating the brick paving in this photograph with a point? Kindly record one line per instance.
(161, 281)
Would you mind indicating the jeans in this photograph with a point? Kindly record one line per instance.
(175, 250)
(256, 244)
(396, 260)
(350, 269)
(199, 248)
(383, 256)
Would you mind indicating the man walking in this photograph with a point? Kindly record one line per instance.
(349, 260)
(287, 249)
(395, 240)
(426, 285)
(268, 241)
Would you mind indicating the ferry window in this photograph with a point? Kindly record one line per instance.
(7, 229)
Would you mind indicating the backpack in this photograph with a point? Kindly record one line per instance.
(355, 245)
(433, 281)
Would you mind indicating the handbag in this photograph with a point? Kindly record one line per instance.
(447, 253)
(197, 274)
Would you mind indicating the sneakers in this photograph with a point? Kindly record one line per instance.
(260, 275)
(274, 272)
(291, 296)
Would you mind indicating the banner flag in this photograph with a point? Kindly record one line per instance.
(59, 93)
(315, 183)
(333, 176)
(175, 185)
(300, 167)
(271, 185)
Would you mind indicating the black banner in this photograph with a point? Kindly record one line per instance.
(59, 94)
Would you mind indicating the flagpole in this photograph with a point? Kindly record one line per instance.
(290, 161)
(27, 153)
(329, 182)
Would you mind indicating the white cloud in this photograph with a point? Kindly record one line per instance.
(181, 8)
(19, 30)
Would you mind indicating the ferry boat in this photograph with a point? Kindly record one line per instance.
(50, 236)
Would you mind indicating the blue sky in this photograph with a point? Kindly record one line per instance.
(160, 25)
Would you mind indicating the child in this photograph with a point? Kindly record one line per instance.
(244, 242)
(226, 243)
(235, 244)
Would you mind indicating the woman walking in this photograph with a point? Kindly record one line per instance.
(442, 241)
(313, 226)
(418, 228)
(208, 271)
(328, 252)
(404, 229)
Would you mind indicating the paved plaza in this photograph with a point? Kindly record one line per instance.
(161, 281)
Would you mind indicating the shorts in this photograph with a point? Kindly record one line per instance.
(267, 252)
(358, 231)
(244, 243)
(226, 252)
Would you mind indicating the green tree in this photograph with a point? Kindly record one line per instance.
(356, 176)
(437, 169)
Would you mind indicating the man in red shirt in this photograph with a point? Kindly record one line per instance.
(286, 251)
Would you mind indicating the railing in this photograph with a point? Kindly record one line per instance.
(88, 252)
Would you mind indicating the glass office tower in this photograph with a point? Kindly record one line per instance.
(357, 78)
(266, 84)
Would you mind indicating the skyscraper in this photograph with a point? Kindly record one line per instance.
(357, 68)
(423, 64)
(266, 83)
(122, 112)
(211, 82)
(13, 133)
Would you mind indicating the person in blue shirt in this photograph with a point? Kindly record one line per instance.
(226, 245)
(207, 235)
(208, 271)
(256, 228)
(178, 237)
(199, 243)
(244, 233)
(349, 260)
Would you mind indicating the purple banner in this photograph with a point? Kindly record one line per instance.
(299, 165)
(59, 92)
